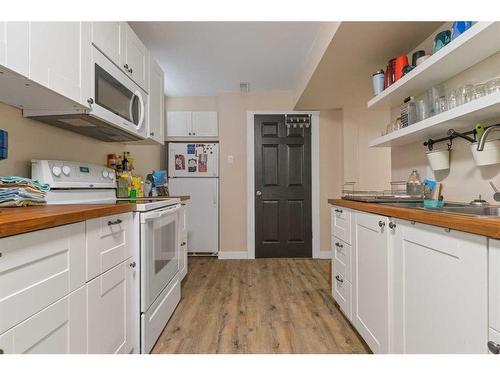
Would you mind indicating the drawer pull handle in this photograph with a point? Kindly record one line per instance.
(338, 210)
(133, 264)
(338, 244)
(116, 222)
(339, 279)
(494, 347)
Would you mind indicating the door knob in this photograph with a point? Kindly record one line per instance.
(258, 193)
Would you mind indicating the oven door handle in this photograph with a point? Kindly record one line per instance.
(156, 214)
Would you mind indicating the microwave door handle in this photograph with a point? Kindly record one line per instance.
(141, 109)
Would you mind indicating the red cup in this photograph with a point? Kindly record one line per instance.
(401, 62)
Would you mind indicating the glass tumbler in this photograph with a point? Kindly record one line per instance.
(465, 94)
(442, 104)
(452, 99)
(478, 91)
(493, 86)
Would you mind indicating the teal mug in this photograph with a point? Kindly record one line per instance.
(442, 38)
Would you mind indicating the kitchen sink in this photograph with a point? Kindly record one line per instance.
(453, 208)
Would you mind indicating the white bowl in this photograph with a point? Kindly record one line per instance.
(439, 159)
(490, 153)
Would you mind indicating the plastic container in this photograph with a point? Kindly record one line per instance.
(433, 203)
(490, 154)
(439, 159)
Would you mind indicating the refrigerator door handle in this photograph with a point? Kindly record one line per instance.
(214, 194)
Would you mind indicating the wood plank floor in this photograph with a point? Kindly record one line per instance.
(258, 306)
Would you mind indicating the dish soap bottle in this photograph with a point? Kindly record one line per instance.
(414, 187)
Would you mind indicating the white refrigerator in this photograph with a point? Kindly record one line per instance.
(193, 169)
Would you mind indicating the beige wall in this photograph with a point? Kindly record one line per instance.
(464, 180)
(232, 108)
(331, 168)
(30, 139)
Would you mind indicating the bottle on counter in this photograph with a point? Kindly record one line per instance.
(414, 186)
(125, 165)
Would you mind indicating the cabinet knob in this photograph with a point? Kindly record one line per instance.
(339, 279)
(338, 244)
(133, 264)
(130, 70)
(381, 224)
(494, 347)
(116, 222)
(90, 101)
(1, 351)
(183, 244)
(392, 225)
(152, 134)
(125, 66)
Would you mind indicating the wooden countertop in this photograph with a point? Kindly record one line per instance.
(17, 220)
(485, 226)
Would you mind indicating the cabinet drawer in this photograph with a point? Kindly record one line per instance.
(341, 224)
(341, 288)
(60, 328)
(342, 253)
(39, 268)
(109, 242)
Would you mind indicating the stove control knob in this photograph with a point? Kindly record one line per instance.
(56, 171)
(66, 170)
(105, 173)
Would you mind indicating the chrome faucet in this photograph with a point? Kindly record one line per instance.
(482, 140)
(496, 196)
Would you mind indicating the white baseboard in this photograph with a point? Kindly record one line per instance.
(325, 254)
(233, 254)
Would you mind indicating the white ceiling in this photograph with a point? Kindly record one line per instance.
(205, 58)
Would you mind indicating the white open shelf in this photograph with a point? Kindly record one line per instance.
(476, 44)
(463, 117)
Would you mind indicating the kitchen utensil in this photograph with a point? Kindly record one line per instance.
(389, 73)
(439, 159)
(415, 56)
(479, 130)
(378, 82)
(441, 39)
(401, 62)
(459, 27)
(421, 59)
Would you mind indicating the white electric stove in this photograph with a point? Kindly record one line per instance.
(158, 225)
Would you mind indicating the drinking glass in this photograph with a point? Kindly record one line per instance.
(465, 94)
(452, 99)
(493, 86)
(478, 91)
(442, 104)
(422, 110)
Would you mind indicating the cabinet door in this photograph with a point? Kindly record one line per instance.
(156, 102)
(494, 284)
(39, 268)
(205, 124)
(440, 290)
(60, 58)
(113, 310)
(60, 328)
(371, 280)
(14, 46)
(136, 58)
(178, 124)
(106, 36)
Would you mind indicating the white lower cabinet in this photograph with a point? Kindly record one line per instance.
(60, 328)
(371, 281)
(112, 310)
(440, 290)
(494, 295)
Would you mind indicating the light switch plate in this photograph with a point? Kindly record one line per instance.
(230, 159)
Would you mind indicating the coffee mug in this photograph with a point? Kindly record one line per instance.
(442, 38)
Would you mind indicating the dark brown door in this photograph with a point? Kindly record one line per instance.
(282, 188)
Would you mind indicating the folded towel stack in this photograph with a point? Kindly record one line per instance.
(19, 191)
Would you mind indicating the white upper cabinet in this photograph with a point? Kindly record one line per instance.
(370, 306)
(440, 290)
(60, 58)
(156, 102)
(205, 124)
(14, 46)
(192, 124)
(107, 37)
(135, 60)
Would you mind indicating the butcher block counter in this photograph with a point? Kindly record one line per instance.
(485, 226)
(17, 220)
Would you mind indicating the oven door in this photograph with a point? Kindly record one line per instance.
(116, 98)
(160, 250)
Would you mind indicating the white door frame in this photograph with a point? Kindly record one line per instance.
(315, 204)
